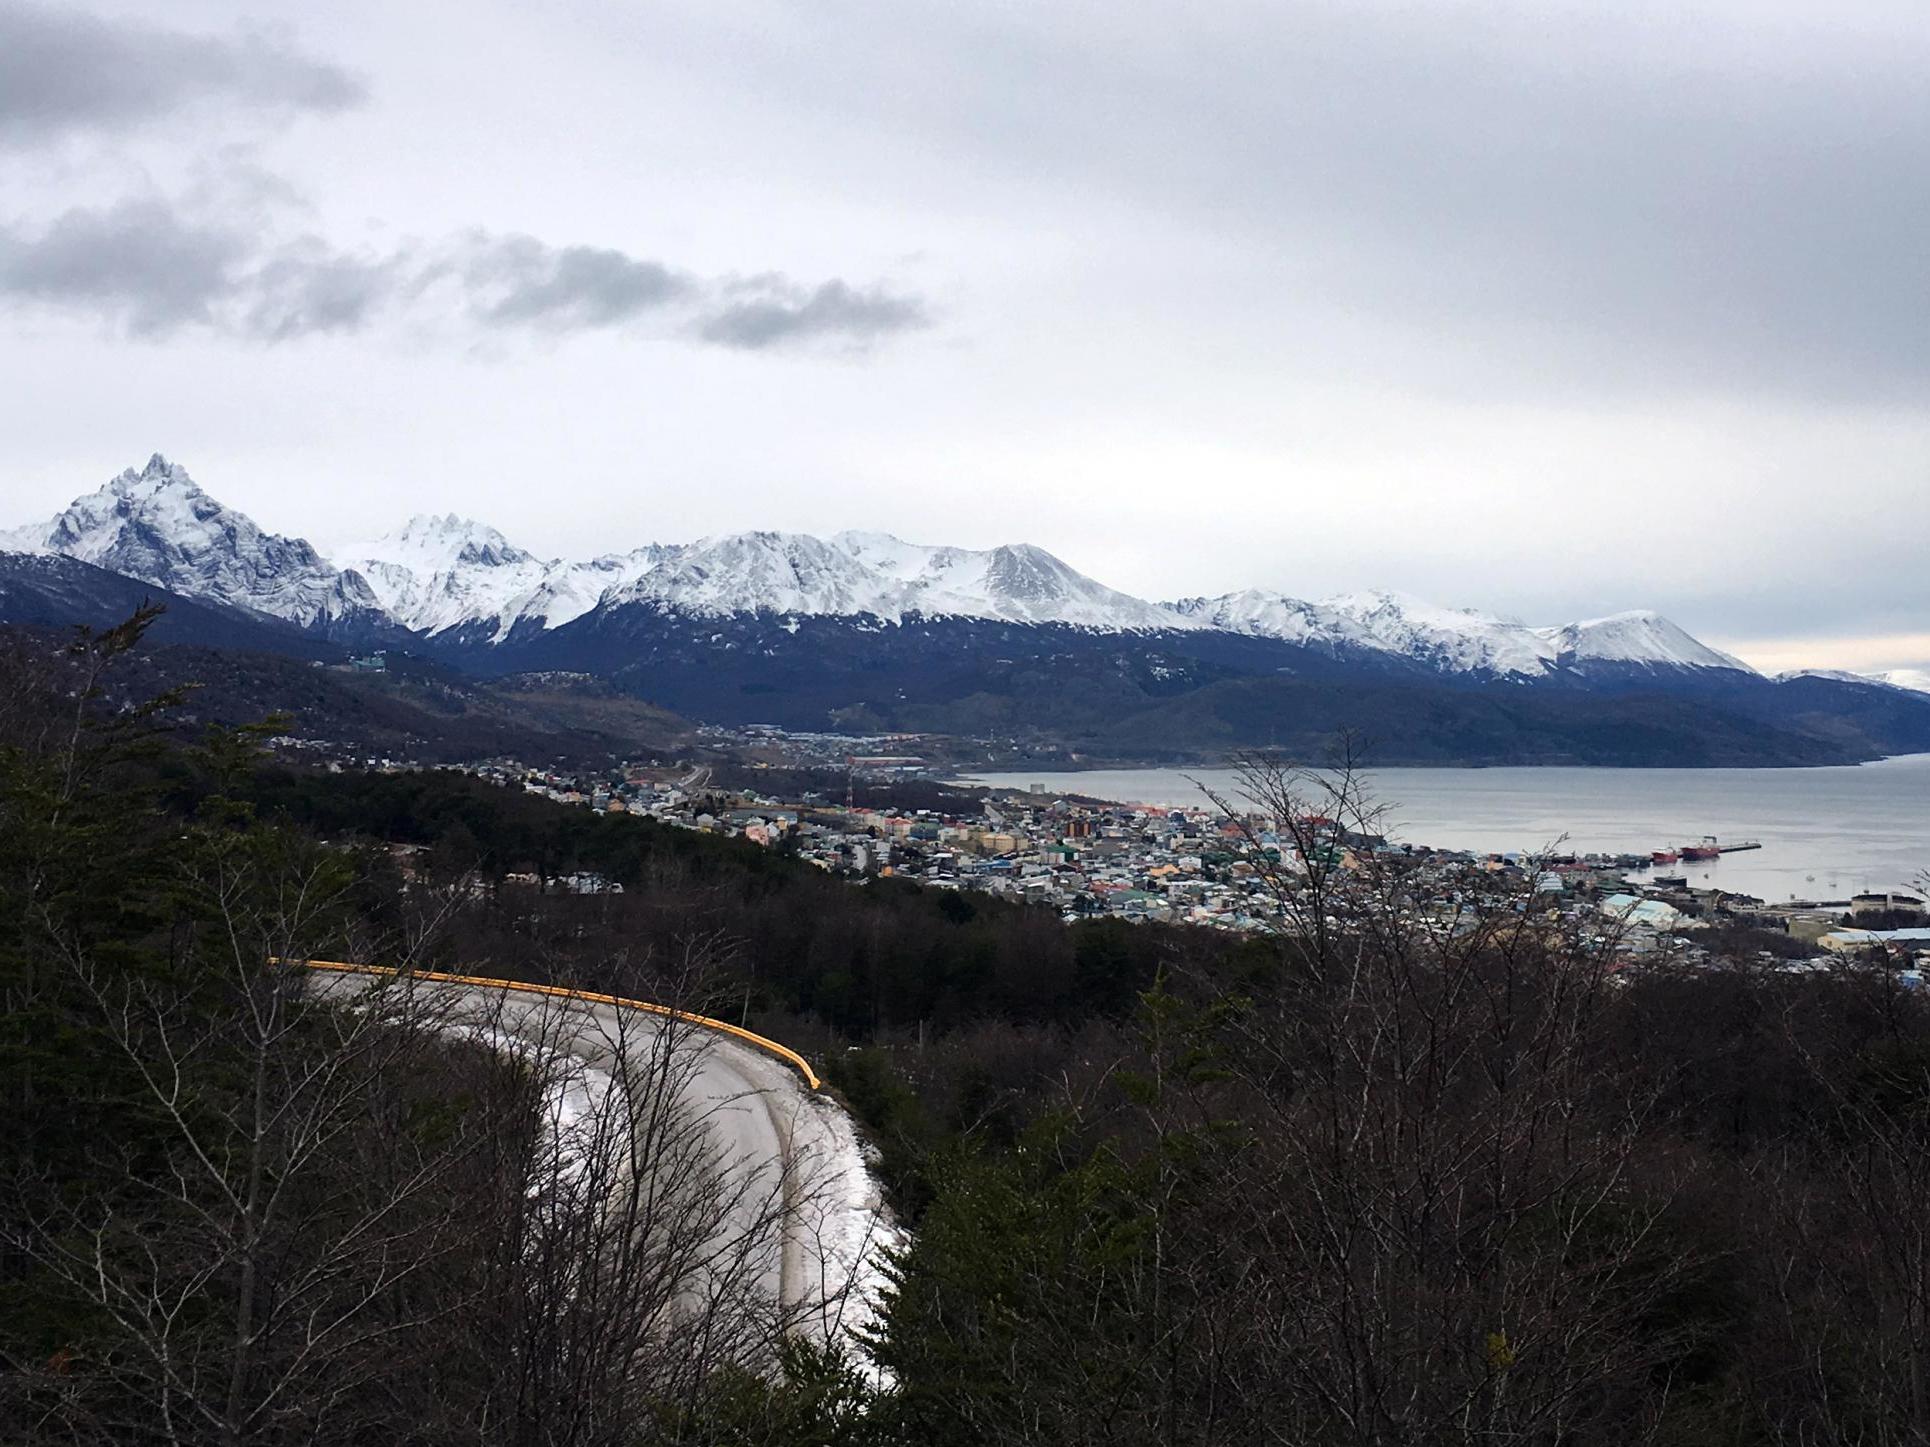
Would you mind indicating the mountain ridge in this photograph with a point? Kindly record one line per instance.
(450, 575)
(863, 632)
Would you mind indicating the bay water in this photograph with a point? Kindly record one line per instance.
(1826, 833)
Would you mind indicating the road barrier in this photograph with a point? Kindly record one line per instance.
(782, 1052)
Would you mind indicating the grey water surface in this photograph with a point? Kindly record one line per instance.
(1826, 833)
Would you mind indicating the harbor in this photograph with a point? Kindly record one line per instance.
(1786, 835)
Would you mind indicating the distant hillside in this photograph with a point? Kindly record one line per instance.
(415, 710)
(45, 590)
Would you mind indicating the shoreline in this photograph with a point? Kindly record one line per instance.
(1827, 830)
(1233, 765)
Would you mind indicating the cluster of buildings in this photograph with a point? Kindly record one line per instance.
(1089, 859)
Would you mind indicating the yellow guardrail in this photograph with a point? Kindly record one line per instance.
(782, 1052)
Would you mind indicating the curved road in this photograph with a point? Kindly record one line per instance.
(779, 1145)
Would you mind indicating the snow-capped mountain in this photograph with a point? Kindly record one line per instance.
(878, 576)
(1456, 640)
(453, 578)
(1637, 637)
(771, 572)
(443, 573)
(571, 589)
(158, 526)
(1016, 583)
(1909, 680)
(439, 573)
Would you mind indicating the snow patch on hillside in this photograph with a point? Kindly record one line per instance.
(1909, 680)
(1916, 680)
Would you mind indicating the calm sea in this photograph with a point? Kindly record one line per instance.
(1826, 833)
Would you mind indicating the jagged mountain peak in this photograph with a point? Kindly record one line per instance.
(157, 474)
(160, 497)
(158, 525)
(439, 572)
(429, 540)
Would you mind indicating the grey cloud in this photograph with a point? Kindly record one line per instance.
(310, 287)
(148, 267)
(520, 281)
(770, 311)
(63, 71)
(137, 265)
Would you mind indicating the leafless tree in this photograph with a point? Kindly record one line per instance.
(497, 1217)
(644, 1252)
(254, 1265)
(1452, 1225)
(1842, 1241)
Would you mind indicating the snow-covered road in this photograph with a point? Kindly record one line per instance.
(801, 1213)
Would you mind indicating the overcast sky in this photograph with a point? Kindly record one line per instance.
(1551, 309)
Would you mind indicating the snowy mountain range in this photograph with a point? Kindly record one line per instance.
(1457, 640)
(449, 577)
(862, 632)
(443, 573)
(1908, 680)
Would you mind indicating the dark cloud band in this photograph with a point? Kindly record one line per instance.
(61, 71)
(147, 268)
(772, 310)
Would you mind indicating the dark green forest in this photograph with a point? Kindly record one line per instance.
(1372, 1180)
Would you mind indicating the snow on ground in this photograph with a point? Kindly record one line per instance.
(858, 1230)
(577, 1098)
(853, 574)
(767, 1123)
(1016, 582)
(843, 1228)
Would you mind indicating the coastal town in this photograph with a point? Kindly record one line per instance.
(1202, 865)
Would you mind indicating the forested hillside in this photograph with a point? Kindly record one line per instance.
(1380, 1178)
